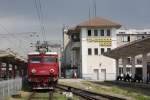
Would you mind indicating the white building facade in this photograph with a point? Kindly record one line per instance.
(88, 41)
(125, 36)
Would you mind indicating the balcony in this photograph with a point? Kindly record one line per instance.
(75, 43)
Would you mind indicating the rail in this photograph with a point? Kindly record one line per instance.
(9, 87)
(88, 94)
(31, 95)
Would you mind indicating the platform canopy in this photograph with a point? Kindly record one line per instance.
(5, 53)
(11, 54)
(130, 49)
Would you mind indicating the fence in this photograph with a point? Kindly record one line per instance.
(9, 87)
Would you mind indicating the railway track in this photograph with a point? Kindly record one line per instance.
(32, 96)
(87, 94)
(50, 95)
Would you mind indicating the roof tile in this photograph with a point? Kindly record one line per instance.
(98, 22)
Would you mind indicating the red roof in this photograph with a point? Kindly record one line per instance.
(98, 22)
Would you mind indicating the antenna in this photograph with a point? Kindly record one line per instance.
(89, 13)
(94, 4)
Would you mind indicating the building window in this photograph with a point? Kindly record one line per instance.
(89, 51)
(120, 70)
(139, 61)
(102, 50)
(102, 33)
(96, 51)
(129, 60)
(126, 39)
(108, 32)
(121, 32)
(95, 32)
(120, 61)
(108, 49)
(89, 33)
(141, 37)
(128, 70)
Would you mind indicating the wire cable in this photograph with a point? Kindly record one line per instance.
(38, 7)
(14, 39)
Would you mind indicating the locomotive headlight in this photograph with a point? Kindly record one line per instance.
(51, 70)
(33, 71)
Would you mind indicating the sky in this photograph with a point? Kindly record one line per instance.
(20, 16)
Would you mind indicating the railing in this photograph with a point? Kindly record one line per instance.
(9, 87)
(75, 44)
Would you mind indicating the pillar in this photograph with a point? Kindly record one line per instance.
(124, 63)
(7, 70)
(133, 66)
(117, 68)
(13, 71)
(72, 58)
(144, 64)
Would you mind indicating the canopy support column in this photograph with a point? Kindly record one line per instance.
(133, 66)
(144, 64)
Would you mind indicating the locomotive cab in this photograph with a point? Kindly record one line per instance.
(43, 69)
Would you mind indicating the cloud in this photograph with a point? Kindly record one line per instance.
(18, 23)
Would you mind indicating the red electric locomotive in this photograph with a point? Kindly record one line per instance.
(43, 70)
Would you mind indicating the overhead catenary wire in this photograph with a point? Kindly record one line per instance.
(42, 19)
(3, 27)
(14, 39)
(38, 7)
(13, 42)
(12, 34)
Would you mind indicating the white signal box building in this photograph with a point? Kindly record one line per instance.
(86, 45)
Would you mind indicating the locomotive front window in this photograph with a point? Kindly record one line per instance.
(49, 59)
(35, 60)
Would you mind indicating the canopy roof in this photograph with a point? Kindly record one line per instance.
(11, 54)
(131, 49)
(6, 53)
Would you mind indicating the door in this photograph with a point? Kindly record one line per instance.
(96, 74)
(139, 72)
(148, 71)
(103, 73)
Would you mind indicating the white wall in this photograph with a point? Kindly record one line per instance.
(98, 62)
(114, 38)
(84, 51)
